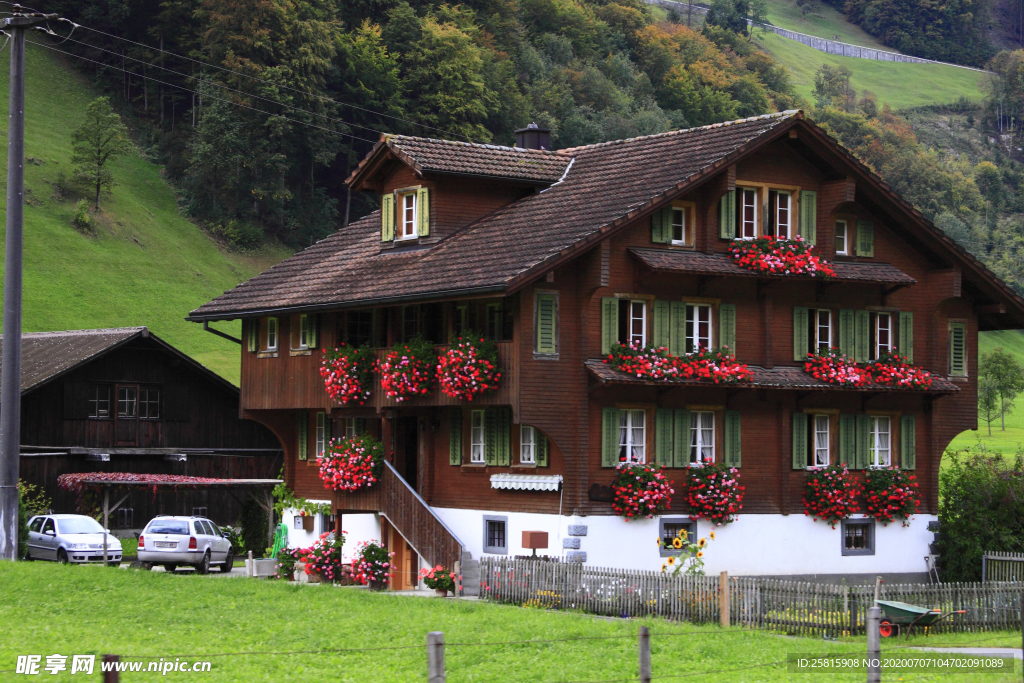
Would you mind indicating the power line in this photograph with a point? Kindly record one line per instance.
(263, 80)
(219, 99)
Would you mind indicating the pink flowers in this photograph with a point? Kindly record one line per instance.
(891, 369)
(372, 566)
(830, 494)
(705, 365)
(468, 368)
(323, 557)
(351, 464)
(830, 366)
(773, 256)
(439, 578)
(890, 494)
(347, 374)
(641, 490)
(895, 370)
(714, 493)
(407, 370)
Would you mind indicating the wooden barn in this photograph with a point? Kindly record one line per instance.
(558, 257)
(124, 400)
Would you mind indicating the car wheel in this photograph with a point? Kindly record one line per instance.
(169, 568)
(62, 556)
(229, 563)
(204, 566)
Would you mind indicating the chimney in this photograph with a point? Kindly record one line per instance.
(533, 137)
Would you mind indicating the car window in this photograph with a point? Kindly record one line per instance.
(172, 527)
(216, 530)
(36, 524)
(202, 528)
(48, 526)
(79, 525)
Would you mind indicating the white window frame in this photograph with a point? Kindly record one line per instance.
(701, 440)
(888, 330)
(303, 332)
(633, 305)
(779, 194)
(818, 340)
(694, 340)
(350, 427)
(527, 445)
(742, 212)
(881, 441)
(845, 232)
(272, 334)
(477, 438)
(633, 436)
(821, 427)
(684, 224)
(321, 434)
(404, 222)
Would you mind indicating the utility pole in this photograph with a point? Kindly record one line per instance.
(10, 368)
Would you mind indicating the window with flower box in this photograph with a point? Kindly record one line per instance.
(747, 215)
(881, 441)
(881, 335)
(702, 437)
(812, 440)
(632, 436)
(780, 214)
(477, 443)
(698, 327)
(632, 322)
(756, 209)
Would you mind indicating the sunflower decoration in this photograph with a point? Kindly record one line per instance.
(671, 559)
(683, 535)
(712, 535)
(700, 554)
(702, 542)
(677, 543)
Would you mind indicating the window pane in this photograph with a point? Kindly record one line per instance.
(821, 440)
(880, 441)
(707, 436)
(782, 215)
(749, 213)
(495, 534)
(884, 321)
(679, 226)
(637, 326)
(527, 445)
(840, 237)
(477, 437)
(824, 326)
(637, 442)
(126, 402)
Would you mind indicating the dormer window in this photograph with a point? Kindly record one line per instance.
(407, 216)
(780, 214)
(748, 213)
(680, 228)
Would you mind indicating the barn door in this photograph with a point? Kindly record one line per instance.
(126, 426)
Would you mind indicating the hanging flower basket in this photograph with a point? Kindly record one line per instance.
(351, 464)
(773, 256)
(830, 494)
(372, 565)
(717, 367)
(347, 372)
(641, 490)
(891, 494)
(830, 366)
(713, 492)
(894, 370)
(469, 368)
(323, 558)
(408, 370)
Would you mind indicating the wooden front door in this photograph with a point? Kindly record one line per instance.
(126, 425)
(405, 563)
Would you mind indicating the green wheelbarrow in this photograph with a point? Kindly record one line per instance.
(902, 616)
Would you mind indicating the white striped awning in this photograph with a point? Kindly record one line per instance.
(526, 482)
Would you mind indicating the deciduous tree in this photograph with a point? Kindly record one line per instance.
(1006, 375)
(100, 139)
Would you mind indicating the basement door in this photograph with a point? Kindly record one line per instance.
(126, 424)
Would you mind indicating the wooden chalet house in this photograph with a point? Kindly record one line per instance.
(124, 400)
(556, 256)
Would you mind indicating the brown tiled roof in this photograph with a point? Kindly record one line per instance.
(604, 185)
(466, 158)
(678, 261)
(787, 377)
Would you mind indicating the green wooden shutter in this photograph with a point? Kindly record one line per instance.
(491, 436)
(862, 334)
(546, 324)
(727, 327)
(958, 349)
(847, 333)
(677, 336)
(541, 445)
(732, 438)
(727, 216)
(661, 225)
(609, 323)
(423, 212)
(504, 436)
(865, 238)
(313, 320)
(387, 218)
(908, 442)
(906, 340)
(848, 441)
(455, 436)
(809, 216)
(664, 441)
(661, 312)
(799, 441)
(360, 426)
(863, 456)
(681, 435)
(609, 437)
(800, 323)
(253, 324)
(302, 427)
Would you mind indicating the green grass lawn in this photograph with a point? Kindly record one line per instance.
(93, 610)
(897, 84)
(825, 22)
(147, 265)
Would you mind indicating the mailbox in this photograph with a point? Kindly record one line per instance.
(535, 540)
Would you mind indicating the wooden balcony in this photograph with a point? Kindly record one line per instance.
(393, 498)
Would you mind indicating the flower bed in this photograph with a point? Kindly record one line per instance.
(348, 373)
(830, 494)
(641, 491)
(286, 559)
(351, 464)
(894, 370)
(372, 566)
(772, 256)
(713, 492)
(323, 558)
(439, 578)
(891, 494)
(408, 370)
(833, 367)
(718, 367)
(468, 368)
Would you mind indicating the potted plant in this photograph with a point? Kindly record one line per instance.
(774, 256)
(830, 494)
(372, 565)
(891, 494)
(351, 464)
(440, 579)
(408, 370)
(714, 493)
(641, 490)
(347, 373)
(286, 561)
(892, 369)
(323, 558)
(468, 368)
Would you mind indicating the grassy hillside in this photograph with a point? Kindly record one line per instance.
(146, 265)
(825, 22)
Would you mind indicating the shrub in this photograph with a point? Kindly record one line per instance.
(240, 234)
(82, 220)
(31, 501)
(253, 521)
(372, 565)
(438, 578)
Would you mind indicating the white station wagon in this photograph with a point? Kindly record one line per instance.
(193, 541)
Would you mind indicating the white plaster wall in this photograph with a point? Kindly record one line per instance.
(752, 545)
(359, 527)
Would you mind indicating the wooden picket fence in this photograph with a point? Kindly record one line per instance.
(792, 607)
(996, 566)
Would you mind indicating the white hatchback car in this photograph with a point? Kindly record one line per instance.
(70, 538)
(192, 541)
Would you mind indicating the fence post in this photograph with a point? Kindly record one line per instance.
(111, 676)
(435, 657)
(874, 645)
(723, 598)
(645, 655)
